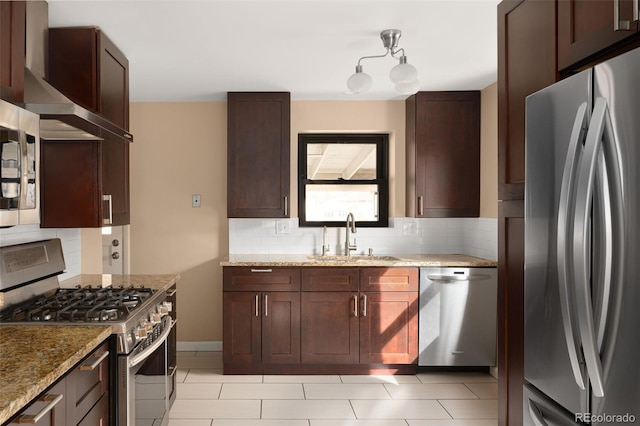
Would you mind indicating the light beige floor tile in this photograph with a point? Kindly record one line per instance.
(398, 409)
(383, 378)
(207, 408)
(345, 391)
(181, 374)
(477, 409)
(484, 390)
(455, 377)
(301, 378)
(358, 423)
(198, 390)
(307, 409)
(207, 362)
(189, 422)
(259, 422)
(466, 422)
(430, 391)
(262, 391)
(181, 354)
(215, 376)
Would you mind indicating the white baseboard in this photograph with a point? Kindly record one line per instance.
(199, 346)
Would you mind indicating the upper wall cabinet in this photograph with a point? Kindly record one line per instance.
(443, 154)
(87, 67)
(585, 27)
(526, 64)
(12, 50)
(258, 171)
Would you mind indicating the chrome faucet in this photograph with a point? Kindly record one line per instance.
(348, 247)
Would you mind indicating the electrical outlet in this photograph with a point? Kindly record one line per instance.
(410, 228)
(195, 200)
(282, 227)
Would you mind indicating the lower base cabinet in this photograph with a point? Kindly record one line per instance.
(316, 329)
(80, 398)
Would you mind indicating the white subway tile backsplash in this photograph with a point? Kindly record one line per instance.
(471, 236)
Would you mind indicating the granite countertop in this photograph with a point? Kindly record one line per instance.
(416, 260)
(33, 357)
(154, 281)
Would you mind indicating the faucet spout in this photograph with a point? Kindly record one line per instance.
(350, 225)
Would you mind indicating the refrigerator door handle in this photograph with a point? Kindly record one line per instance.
(600, 128)
(566, 213)
(535, 414)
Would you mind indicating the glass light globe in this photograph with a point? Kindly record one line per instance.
(359, 81)
(403, 72)
(408, 88)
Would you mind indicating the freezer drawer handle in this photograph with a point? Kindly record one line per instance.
(536, 415)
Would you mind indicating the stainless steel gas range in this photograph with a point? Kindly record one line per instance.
(140, 317)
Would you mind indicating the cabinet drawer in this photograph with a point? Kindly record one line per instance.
(389, 279)
(330, 279)
(261, 279)
(99, 414)
(87, 383)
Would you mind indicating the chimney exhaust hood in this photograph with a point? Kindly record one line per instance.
(60, 117)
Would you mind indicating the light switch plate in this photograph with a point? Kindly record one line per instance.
(195, 200)
(282, 227)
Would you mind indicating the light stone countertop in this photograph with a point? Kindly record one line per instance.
(154, 281)
(33, 357)
(415, 260)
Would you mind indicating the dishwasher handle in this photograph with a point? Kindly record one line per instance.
(457, 278)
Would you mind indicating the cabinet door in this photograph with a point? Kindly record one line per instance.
(281, 328)
(586, 27)
(526, 64)
(242, 341)
(114, 82)
(99, 414)
(389, 328)
(443, 154)
(330, 328)
(12, 50)
(258, 171)
(71, 195)
(510, 312)
(115, 181)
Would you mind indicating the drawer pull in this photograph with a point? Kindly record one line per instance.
(53, 400)
(172, 293)
(261, 270)
(91, 367)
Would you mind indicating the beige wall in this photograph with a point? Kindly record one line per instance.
(179, 149)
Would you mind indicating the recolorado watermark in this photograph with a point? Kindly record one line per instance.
(605, 418)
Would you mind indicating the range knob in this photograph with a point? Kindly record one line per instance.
(155, 317)
(141, 332)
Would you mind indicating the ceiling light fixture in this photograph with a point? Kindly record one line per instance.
(404, 75)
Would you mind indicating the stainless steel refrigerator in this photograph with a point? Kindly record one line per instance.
(582, 248)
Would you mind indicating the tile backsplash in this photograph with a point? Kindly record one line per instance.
(471, 236)
(71, 243)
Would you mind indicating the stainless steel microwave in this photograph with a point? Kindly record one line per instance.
(19, 166)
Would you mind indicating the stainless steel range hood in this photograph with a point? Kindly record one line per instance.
(60, 117)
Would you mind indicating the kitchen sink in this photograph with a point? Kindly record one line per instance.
(353, 258)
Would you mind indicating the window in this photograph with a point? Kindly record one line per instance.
(340, 174)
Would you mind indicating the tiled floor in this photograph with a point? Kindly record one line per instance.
(207, 397)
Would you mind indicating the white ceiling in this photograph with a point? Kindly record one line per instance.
(185, 50)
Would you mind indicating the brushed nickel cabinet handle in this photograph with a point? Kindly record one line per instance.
(266, 305)
(257, 302)
(286, 206)
(53, 400)
(355, 305)
(364, 305)
(261, 270)
(96, 363)
(420, 205)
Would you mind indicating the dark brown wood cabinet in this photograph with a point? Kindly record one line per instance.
(587, 27)
(89, 68)
(258, 171)
(12, 50)
(83, 395)
(443, 154)
(84, 183)
(261, 315)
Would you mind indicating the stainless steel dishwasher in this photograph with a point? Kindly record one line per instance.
(457, 319)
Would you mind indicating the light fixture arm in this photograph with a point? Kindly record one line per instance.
(375, 56)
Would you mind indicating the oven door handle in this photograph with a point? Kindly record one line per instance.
(151, 348)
